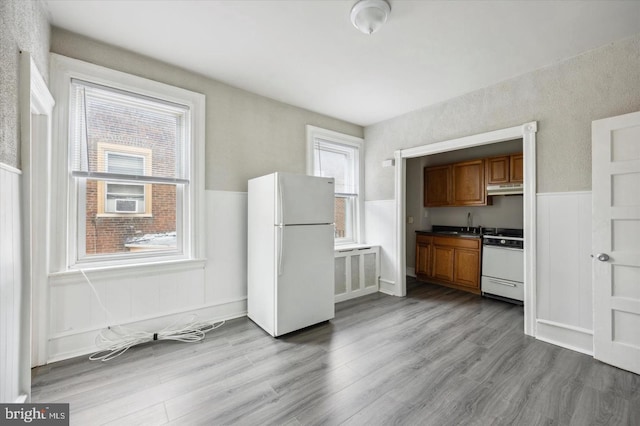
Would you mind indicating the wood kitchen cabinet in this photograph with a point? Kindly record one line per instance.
(459, 184)
(437, 186)
(469, 188)
(497, 170)
(504, 169)
(449, 261)
(516, 168)
(443, 261)
(423, 255)
(467, 268)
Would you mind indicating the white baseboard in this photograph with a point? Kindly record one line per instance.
(411, 271)
(70, 345)
(356, 293)
(388, 287)
(567, 336)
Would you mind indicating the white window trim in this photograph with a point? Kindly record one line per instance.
(314, 132)
(63, 253)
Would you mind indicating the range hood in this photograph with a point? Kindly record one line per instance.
(505, 189)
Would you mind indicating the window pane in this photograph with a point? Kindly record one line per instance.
(125, 164)
(337, 163)
(114, 233)
(130, 123)
(344, 217)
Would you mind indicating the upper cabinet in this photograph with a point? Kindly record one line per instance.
(516, 168)
(469, 188)
(437, 186)
(460, 184)
(465, 183)
(504, 169)
(498, 170)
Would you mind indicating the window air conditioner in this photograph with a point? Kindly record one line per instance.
(126, 206)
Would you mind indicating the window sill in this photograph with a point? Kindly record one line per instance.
(123, 215)
(112, 271)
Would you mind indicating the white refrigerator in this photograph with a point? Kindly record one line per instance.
(290, 251)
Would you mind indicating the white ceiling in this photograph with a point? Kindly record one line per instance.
(307, 53)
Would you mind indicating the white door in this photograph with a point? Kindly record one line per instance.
(305, 277)
(616, 240)
(304, 199)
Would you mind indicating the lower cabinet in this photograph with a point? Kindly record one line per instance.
(423, 255)
(450, 261)
(443, 261)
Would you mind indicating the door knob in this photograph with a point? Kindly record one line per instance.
(602, 257)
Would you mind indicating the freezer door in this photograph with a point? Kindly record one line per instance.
(304, 199)
(305, 276)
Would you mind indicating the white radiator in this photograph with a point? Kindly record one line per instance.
(357, 270)
(10, 284)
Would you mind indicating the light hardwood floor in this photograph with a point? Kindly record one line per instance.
(436, 357)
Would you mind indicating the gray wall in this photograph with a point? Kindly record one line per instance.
(563, 98)
(23, 26)
(246, 135)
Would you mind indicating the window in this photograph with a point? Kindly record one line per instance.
(332, 154)
(134, 166)
(124, 198)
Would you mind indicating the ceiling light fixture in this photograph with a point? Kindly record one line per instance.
(369, 15)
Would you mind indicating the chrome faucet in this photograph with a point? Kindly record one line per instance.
(469, 221)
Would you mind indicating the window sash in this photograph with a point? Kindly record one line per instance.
(83, 170)
(350, 165)
(81, 91)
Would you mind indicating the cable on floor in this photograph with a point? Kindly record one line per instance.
(117, 339)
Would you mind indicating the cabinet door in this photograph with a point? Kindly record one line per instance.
(437, 186)
(442, 263)
(423, 259)
(468, 184)
(516, 168)
(497, 170)
(467, 268)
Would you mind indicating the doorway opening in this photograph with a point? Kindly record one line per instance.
(527, 133)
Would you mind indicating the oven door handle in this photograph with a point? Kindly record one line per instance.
(501, 282)
(485, 246)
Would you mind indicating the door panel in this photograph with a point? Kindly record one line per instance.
(442, 263)
(616, 240)
(304, 199)
(468, 183)
(503, 262)
(305, 282)
(467, 268)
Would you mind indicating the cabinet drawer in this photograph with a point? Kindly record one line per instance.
(470, 243)
(423, 239)
(504, 288)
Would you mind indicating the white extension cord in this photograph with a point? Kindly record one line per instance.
(116, 339)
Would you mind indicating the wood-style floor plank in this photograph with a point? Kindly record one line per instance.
(437, 357)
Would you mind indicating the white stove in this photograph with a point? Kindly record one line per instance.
(503, 265)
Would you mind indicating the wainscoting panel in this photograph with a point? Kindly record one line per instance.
(152, 298)
(10, 283)
(380, 229)
(564, 284)
(226, 226)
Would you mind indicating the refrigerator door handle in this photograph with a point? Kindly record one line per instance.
(280, 217)
(280, 249)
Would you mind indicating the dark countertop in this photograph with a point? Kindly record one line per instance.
(453, 231)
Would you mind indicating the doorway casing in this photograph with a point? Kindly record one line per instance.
(527, 132)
